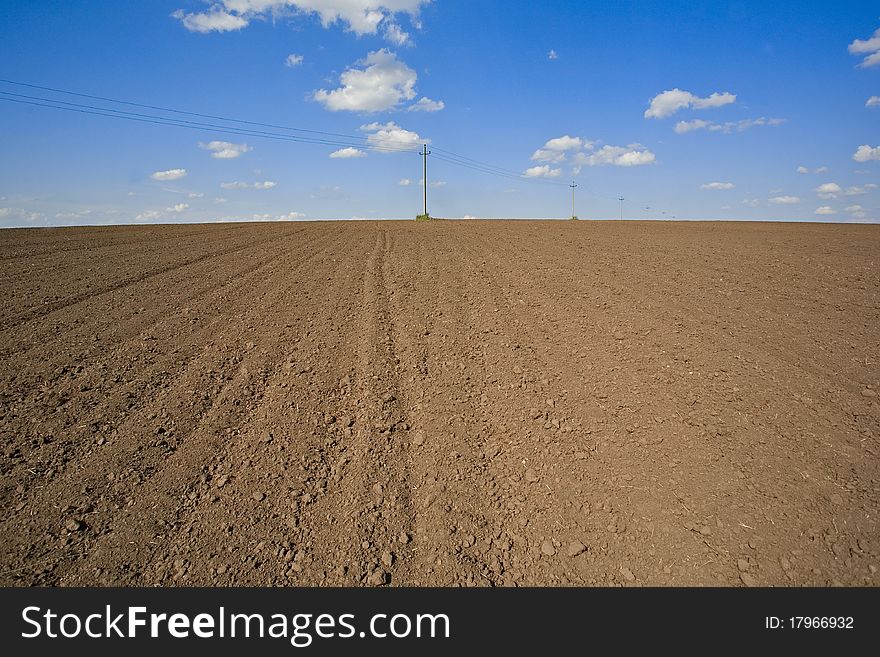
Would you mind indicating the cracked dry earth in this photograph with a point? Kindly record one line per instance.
(448, 403)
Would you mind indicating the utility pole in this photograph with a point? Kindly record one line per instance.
(620, 198)
(425, 153)
(572, 185)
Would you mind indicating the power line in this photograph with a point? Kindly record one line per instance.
(187, 113)
(321, 137)
(182, 123)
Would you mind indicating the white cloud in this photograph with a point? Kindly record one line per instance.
(293, 60)
(426, 105)
(564, 143)
(266, 184)
(546, 155)
(195, 195)
(391, 137)
(726, 128)
(821, 170)
(866, 153)
(856, 190)
(554, 150)
(552, 55)
(689, 126)
(224, 150)
(869, 47)
(290, 216)
(348, 152)
(751, 202)
(234, 185)
(436, 183)
(215, 20)
(170, 174)
(153, 215)
(619, 156)
(669, 102)
(803, 170)
(148, 215)
(873, 101)
(785, 200)
(393, 34)
(383, 83)
(219, 200)
(833, 190)
(20, 214)
(828, 190)
(718, 185)
(825, 210)
(543, 171)
(854, 208)
(358, 16)
(405, 182)
(73, 215)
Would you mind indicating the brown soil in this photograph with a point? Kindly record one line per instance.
(449, 403)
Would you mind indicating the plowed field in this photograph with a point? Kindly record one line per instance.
(448, 403)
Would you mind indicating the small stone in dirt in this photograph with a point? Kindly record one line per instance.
(548, 549)
(267, 438)
(378, 578)
(404, 538)
(419, 439)
(749, 580)
(517, 369)
(705, 530)
(387, 558)
(220, 481)
(388, 398)
(575, 548)
(836, 498)
(743, 565)
(531, 476)
(627, 574)
(259, 497)
(867, 392)
(74, 525)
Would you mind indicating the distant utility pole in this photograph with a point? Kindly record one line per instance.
(572, 185)
(425, 153)
(620, 198)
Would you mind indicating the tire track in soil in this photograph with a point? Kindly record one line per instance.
(458, 538)
(372, 495)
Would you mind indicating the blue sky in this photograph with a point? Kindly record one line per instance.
(694, 110)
